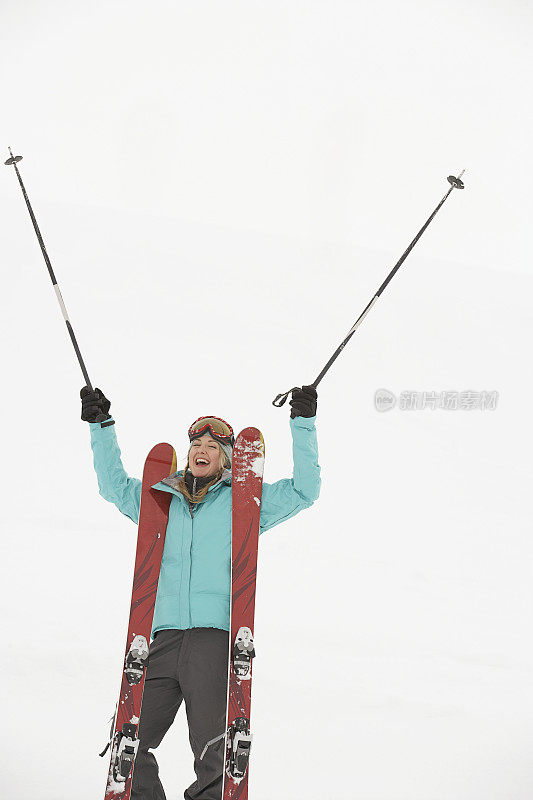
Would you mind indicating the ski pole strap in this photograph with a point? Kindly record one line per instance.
(112, 721)
(104, 751)
(281, 399)
(212, 741)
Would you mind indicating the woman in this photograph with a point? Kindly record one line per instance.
(189, 651)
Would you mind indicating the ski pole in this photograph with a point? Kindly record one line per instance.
(13, 161)
(456, 183)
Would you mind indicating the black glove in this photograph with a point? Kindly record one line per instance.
(303, 402)
(94, 405)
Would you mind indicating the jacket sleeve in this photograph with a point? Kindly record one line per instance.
(285, 498)
(113, 482)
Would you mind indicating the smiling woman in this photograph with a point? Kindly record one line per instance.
(188, 655)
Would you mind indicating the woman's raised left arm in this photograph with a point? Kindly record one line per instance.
(285, 498)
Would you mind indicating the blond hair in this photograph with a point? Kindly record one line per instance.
(199, 495)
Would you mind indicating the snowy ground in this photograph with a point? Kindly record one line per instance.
(222, 187)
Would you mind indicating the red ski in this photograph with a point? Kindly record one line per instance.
(247, 481)
(153, 518)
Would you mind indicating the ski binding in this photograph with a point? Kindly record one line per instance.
(239, 744)
(243, 652)
(136, 660)
(128, 744)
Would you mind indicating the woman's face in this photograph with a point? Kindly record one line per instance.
(204, 456)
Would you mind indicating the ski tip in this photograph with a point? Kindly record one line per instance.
(163, 453)
(251, 433)
(250, 439)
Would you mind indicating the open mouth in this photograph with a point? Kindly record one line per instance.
(201, 462)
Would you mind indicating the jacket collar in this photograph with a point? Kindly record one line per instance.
(173, 479)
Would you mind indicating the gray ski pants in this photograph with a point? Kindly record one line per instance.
(188, 665)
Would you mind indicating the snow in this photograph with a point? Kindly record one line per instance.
(221, 191)
(257, 466)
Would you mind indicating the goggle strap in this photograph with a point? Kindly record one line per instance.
(223, 438)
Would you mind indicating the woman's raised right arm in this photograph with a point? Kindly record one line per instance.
(113, 482)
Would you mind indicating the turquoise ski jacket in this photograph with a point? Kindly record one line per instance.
(195, 577)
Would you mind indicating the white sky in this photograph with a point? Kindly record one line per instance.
(222, 187)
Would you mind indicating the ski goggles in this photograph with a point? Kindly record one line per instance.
(219, 429)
